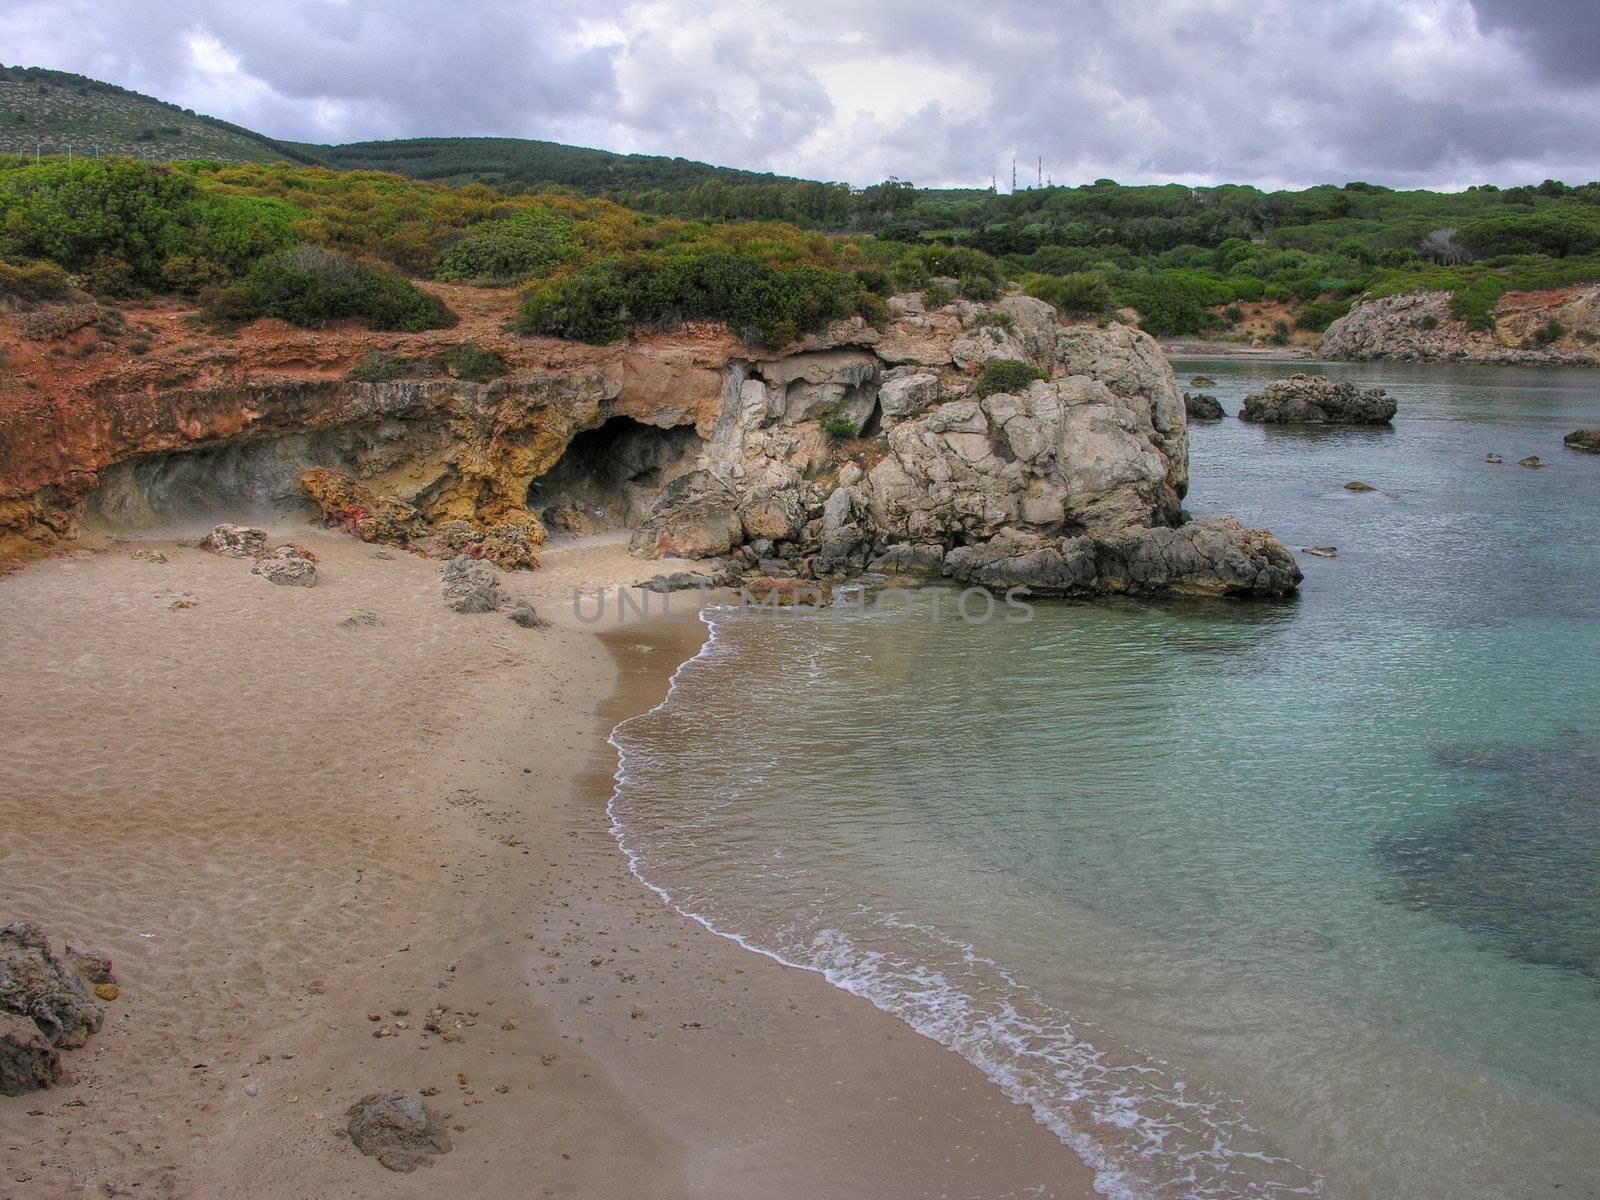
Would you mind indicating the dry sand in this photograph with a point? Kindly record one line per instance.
(281, 826)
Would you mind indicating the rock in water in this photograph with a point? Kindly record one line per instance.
(1533, 461)
(470, 585)
(1202, 407)
(1317, 400)
(28, 1063)
(1355, 485)
(288, 565)
(678, 581)
(36, 984)
(1587, 440)
(1202, 381)
(1321, 551)
(236, 541)
(397, 1129)
(1493, 458)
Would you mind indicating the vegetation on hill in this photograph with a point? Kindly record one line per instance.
(661, 239)
(514, 165)
(44, 112)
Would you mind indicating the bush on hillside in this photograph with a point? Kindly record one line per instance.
(471, 362)
(1319, 314)
(762, 304)
(131, 226)
(310, 286)
(1007, 375)
(523, 246)
(1081, 294)
(33, 281)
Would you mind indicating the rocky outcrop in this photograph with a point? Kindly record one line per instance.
(1587, 440)
(37, 985)
(1420, 327)
(859, 445)
(1317, 400)
(1202, 407)
(1211, 557)
(398, 1129)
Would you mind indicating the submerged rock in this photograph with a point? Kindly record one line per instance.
(1355, 485)
(398, 1129)
(1202, 381)
(766, 590)
(1533, 461)
(1493, 459)
(1587, 440)
(1203, 407)
(38, 985)
(470, 585)
(1321, 551)
(1317, 400)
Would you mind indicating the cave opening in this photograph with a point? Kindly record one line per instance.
(608, 476)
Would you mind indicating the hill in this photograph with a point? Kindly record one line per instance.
(47, 111)
(513, 164)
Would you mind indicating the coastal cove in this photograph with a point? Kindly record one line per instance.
(1204, 883)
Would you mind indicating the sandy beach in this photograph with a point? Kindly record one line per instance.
(308, 823)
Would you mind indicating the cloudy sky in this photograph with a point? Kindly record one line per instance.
(1274, 92)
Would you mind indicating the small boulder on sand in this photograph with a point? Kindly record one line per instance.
(236, 541)
(38, 985)
(291, 566)
(28, 1063)
(396, 1128)
(470, 585)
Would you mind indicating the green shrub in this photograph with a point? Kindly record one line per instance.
(132, 226)
(1428, 322)
(1475, 303)
(33, 281)
(1082, 294)
(1006, 375)
(1319, 314)
(993, 318)
(310, 286)
(516, 248)
(978, 287)
(379, 367)
(763, 305)
(838, 426)
(1587, 336)
(1549, 333)
(936, 295)
(471, 362)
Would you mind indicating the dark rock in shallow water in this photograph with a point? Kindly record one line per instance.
(1203, 407)
(1515, 863)
(1317, 400)
(1533, 461)
(36, 984)
(678, 581)
(1215, 556)
(1355, 485)
(1587, 440)
(1202, 381)
(397, 1129)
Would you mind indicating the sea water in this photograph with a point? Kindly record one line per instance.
(1243, 899)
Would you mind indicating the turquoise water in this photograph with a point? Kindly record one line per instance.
(1243, 900)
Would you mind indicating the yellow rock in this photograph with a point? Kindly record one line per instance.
(107, 991)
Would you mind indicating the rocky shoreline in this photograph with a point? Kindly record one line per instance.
(1557, 328)
(1055, 455)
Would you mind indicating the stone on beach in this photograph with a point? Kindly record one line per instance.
(290, 566)
(470, 585)
(236, 541)
(37, 984)
(397, 1128)
(28, 1062)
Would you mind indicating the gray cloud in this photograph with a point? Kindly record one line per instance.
(1277, 92)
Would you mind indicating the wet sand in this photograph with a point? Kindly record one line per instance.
(282, 826)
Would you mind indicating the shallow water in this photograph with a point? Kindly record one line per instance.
(1244, 900)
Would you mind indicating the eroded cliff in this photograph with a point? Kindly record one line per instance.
(855, 447)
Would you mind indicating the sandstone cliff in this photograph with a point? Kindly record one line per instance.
(855, 446)
(1419, 327)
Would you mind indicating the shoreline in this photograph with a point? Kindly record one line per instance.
(412, 817)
